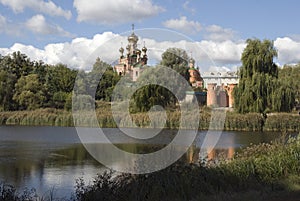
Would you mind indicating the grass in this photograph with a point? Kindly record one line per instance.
(234, 122)
(260, 172)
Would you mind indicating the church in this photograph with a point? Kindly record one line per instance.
(134, 61)
(219, 92)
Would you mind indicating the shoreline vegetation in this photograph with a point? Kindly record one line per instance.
(261, 172)
(277, 122)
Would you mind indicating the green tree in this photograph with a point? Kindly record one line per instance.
(59, 81)
(259, 89)
(7, 86)
(17, 63)
(109, 78)
(290, 75)
(177, 59)
(28, 93)
(150, 95)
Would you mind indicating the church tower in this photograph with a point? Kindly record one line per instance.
(134, 60)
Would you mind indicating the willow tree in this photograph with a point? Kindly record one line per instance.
(259, 89)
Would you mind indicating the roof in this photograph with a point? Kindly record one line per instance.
(228, 74)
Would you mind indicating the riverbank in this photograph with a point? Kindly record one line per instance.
(278, 122)
(260, 172)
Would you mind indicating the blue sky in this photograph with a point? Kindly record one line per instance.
(42, 28)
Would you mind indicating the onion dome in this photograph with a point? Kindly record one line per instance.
(138, 51)
(121, 50)
(144, 49)
(133, 38)
(192, 61)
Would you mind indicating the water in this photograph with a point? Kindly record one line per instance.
(53, 157)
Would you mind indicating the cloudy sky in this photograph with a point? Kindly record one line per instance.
(70, 31)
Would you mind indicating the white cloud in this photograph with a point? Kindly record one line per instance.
(116, 11)
(38, 24)
(76, 54)
(183, 25)
(47, 7)
(288, 50)
(82, 52)
(218, 33)
(226, 52)
(187, 8)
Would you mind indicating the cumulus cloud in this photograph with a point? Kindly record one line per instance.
(38, 24)
(288, 50)
(114, 12)
(82, 52)
(8, 28)
(226, 52)
(48, 7)
(183, 25)
(218, 33)
(76, 54)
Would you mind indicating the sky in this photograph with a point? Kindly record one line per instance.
(214, 32)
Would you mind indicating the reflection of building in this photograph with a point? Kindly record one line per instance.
(134, 61)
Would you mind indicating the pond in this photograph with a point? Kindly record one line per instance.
(53, 157)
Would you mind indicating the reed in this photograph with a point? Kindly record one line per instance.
(260, 170)
(233, 122)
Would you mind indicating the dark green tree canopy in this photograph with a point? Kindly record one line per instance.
(177, 59)
(150, 95)
(259, 88)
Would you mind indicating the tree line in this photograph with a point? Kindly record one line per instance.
(263, 87)
(28, 85)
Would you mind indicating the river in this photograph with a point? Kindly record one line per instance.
(53, 157)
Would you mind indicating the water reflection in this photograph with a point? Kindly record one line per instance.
(46, 157)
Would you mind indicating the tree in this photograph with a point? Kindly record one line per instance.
(109, 78)
(28, 93)
(259, 89)
(290, 75)
(152, 94)
(177, 59)
(17, 63)
(7, 85)
(59, 80)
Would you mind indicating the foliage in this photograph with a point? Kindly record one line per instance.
(177, 59)
(109, 78)
(156, 94)
(259, 88)
(263, 169)
(27, 92)
(290, 74)
(27, 85)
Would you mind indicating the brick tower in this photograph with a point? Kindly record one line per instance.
(212, 94)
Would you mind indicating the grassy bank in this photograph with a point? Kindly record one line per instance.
(233, 122)
(260, 172)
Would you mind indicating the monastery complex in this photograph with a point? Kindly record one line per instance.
(217, 86)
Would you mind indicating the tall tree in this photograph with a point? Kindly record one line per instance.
(259, 89)
(7, 86)
(150, 95)
(59, 81)
(28, 93)
(109, 78)
(177, 59)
